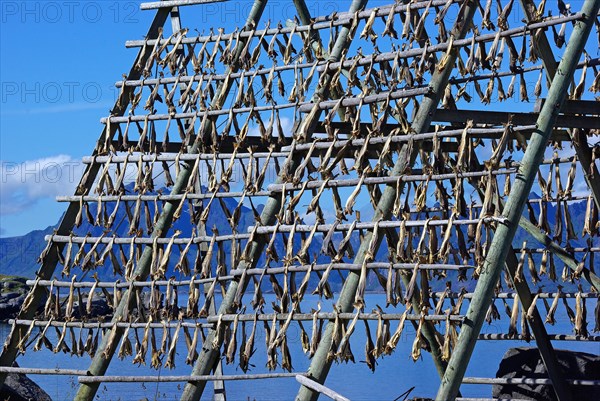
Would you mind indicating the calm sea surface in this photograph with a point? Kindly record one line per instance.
(393, 376)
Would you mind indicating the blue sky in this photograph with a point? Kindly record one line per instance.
(59, 61)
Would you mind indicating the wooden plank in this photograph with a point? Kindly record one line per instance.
(154, 5)
(41, 371)
(345, 127)
(499, 117)
(174, 379)
(591, 107)
(313, 385)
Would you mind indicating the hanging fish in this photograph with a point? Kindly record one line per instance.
(492, 313)
(389, 25)
(316, 331)
(514, 315)
(519, 277)
(531, 267)
(140, 357)
(192, 354)
(570, 312)
(22, 345)
(43, 340)
(270, 336)
(369, 348)
(418, 342)
(232, 344)
(249, 350)
(286, 356)
(61, 344)
(336, 336)
(125, 348)
(580, 315)
(382, 334)
(170, 362)
(446, 347)
(395, 338)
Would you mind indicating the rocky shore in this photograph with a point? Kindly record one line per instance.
(13, 291)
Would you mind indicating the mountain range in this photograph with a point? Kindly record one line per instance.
(18, 255)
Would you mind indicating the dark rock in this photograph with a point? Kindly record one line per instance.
(10, 304)
(13, 291)
(19, 387)
(526, 363)
(99, 309)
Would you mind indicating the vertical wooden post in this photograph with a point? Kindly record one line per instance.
(514, 206)
(319, 367)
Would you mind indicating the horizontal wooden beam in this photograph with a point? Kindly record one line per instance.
(193, 378)
(519, 380)
(38, 371)
(346, 127)
(154, 5)
(591, 107)
(500, 117)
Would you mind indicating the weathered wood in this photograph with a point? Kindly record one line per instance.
(301, 106)
(175, 3)
(313, 385)
(107, 325)
(174, 379)
(40, 371)
(499, 117)
(553, 337)
(9, 352)
(591, 107)
(515, 203)
(518, 380)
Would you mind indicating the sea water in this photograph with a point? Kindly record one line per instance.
(394, 374)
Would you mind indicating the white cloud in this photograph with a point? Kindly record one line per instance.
(23, 184)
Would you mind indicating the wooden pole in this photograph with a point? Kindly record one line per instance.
(9, 352)
(100, 362)
(513, 209)
(320, 366)
(313, 385)
(545, 347)
(210, 352)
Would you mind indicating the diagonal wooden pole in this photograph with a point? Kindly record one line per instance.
(219, 393)
(100, 362)
(319, 367)
(9, 352)
(535, 320)
(210, 352)
(514, 206)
